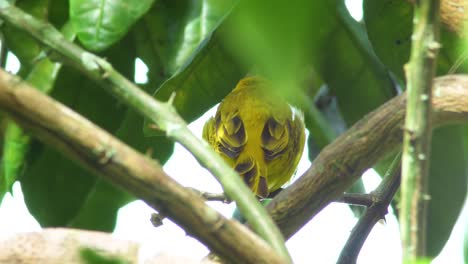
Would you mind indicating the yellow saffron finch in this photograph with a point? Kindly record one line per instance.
(258, 134)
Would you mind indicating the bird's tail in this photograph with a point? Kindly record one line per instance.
(251, 171)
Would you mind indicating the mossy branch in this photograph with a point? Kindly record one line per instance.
(161, 113)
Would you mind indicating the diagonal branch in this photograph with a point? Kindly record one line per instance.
(342, 162)
(381, 197)
(101, 153)
(163, 114)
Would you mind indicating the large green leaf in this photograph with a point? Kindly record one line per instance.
(100, 23)
(58, 12)
(57, 191)
(16, 142)
(350, 67)
(203, 81)
(447, 185)
(15, 147)
(99, 211)
(202, 18)
(389, 24)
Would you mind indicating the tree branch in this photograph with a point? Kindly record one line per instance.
(417, 133)
(212, 197)
(381, 197)
(361, 199)
(358, 149)
(164, 115)
(101, 153)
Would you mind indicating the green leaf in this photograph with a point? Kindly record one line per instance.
(101, 23)
(16, 141)
(202, 19)
(95, 256)
(171, 31)
(466, 244)
(347, 63)
(447, 185)
(203, 81)
(59, 12)
(389, 24)
(99, 211)
(278, 48)
(453, 56)
(16, 144)
(58, 192)
(54, 188)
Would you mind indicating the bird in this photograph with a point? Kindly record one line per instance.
(258, 134)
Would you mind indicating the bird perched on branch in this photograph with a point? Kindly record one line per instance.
(258, 134)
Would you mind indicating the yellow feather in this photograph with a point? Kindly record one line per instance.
(258, 134)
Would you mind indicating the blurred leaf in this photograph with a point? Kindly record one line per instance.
(100, 23)
(59, 12)
(345, 60)
(389, 24)
(56, 190)
(99, 211)
(350, 67)
(453, 57)
(447, 185)
(95, 256)
(466, 244)
(16, 142)
(277, 41)
(21, 44)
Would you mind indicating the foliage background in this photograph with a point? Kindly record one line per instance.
(200, 49)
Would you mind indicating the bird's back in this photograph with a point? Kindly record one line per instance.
(258, 135)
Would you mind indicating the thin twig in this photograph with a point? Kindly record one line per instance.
(103, 154)
(360, 199)
(418, 130)
(164, 115)
(382, 198)
(212, 197)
